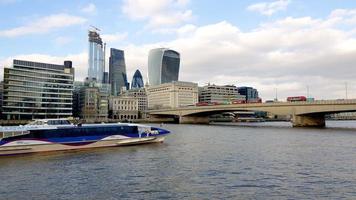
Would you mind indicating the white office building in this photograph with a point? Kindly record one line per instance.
(219, 94)
(124, 107)
(172, 95)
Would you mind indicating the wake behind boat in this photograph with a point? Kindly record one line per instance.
(60, 134)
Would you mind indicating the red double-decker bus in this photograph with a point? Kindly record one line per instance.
(296, 98)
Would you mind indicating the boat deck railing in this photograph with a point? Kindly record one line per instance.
(6, 132)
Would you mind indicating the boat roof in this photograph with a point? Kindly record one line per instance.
(45, 126)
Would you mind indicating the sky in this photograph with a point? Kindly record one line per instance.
(281, 47)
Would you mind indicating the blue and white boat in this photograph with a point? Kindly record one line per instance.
(60, 134)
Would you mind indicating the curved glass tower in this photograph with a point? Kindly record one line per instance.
(117, 71)
(137, 80)
(96, 57)
(163, 66)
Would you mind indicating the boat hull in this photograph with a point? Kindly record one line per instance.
(35, 146)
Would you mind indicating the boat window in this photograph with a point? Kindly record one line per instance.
(66, 122)
(58, 122)
(36, 123)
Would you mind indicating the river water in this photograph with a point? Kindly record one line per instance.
(245, 161)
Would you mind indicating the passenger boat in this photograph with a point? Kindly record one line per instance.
(60, 134)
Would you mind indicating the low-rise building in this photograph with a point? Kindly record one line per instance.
(141, 95)
(92, 101)
(250, 93)
(219, 94)
(89, 101)
(172, 95)
(124, 108)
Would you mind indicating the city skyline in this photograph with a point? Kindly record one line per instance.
(286, 45)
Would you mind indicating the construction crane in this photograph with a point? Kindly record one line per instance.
(95, 28)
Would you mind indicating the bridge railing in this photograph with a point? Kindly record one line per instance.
(338, 101)
(272, 104)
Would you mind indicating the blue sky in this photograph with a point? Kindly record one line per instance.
(263, 43)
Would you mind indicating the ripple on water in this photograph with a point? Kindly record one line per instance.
(196, 162)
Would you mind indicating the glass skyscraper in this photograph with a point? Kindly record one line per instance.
(117, 71)
(96, 57)
(163, 66)
(38, 90)
(137, 81)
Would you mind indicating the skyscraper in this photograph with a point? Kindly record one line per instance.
(117, 71)
(163, 66)
(96, 57)
(137, 81)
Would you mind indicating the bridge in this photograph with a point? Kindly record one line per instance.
(303, 114)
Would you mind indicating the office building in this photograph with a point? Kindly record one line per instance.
(117, 72)
(163, 66)
(219, 94)
(38, 90)
(141, 95)
(96, 57)
(137, 80)
(172, 95)
(106, 78)
(250, 93)
(1, 94)
(124, 108)
(78, 85)
(93, 101)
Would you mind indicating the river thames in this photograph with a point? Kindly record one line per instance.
(245, 161)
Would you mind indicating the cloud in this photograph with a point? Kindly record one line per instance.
(288, 54)
(157, 13)
(44, 25)
(7, 1)
(116, 37)
(62, 40)
(270, 8)
(90, 9)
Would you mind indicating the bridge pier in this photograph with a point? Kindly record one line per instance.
(193, 120)
(308, 121)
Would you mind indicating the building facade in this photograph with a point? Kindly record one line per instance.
(172, 95)
(96, 57)
(93, 101)
(78, 85)
(219, 94)
(250, 93)
(141, 95)
(117, 71)
(37, 90)
(137, 80)
(106, 78)
(163, 66)
(1, 96)
(124, 108)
